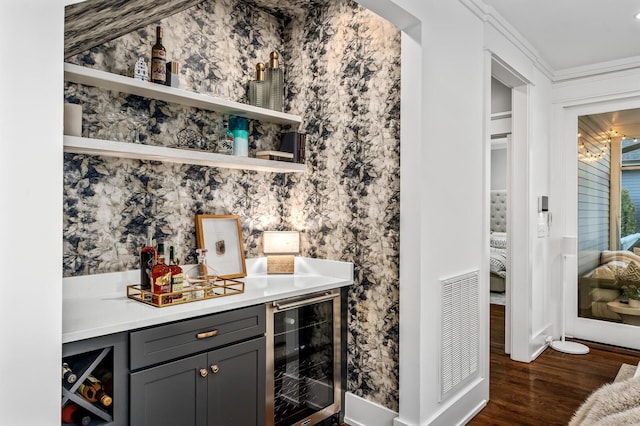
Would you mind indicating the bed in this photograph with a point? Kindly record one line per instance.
(498, 241)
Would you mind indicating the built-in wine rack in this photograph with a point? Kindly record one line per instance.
(83, 365)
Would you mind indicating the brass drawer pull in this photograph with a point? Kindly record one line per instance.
(207, 334)
(215, 368)
(203, 372)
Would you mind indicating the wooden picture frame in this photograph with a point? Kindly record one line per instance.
(221, 235)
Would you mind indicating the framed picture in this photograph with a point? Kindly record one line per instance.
(221, 235)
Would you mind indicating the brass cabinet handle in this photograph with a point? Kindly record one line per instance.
(207, 334)
(215, 368)
(203, 372)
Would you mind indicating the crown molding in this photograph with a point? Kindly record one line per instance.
(596, 69)
(491, 17)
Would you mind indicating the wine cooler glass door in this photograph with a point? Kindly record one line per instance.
(306, 377)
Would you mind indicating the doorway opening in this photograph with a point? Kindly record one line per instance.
(518, 273)
(498, 237)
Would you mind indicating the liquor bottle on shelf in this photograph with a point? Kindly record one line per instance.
(148, 256)
(176, 275)
(74, 414)
(92, 391)
(225, 141)
(275, 83)
(68, 375)
(161, 275)
(257, 88)
(158, 60)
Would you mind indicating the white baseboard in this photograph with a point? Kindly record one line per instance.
(360, 412)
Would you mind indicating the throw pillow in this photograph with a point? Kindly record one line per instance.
(498, 241)
(632, 273)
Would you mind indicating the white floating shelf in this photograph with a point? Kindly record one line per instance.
(120, 83)
(78, 145)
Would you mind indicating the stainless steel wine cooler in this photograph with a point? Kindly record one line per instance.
(303, 360)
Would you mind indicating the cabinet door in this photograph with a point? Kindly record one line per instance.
(170, 394)
(237, 384)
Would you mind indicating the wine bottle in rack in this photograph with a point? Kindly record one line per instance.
(105, 375)
(93, 392)
(68, 375)
(74, 414)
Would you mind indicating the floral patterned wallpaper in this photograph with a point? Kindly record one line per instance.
(342, 75)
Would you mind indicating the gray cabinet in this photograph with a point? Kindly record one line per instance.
(204, 371)
(170, 394)
(237, 384)
(106, 359)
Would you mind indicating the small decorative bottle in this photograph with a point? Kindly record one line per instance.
(158, 60)
(275, 83)
(240, 128)
(140, 71)
(258, 88)
(225, 141)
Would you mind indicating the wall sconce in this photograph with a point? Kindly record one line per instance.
(280, 247)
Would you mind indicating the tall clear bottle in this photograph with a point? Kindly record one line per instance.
(201, 277)
(225, 141)
(176, 275)
(258, 88)
(275, 83)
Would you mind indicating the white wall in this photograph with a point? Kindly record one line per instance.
(542, 292)
(31, 46)
(451, 87)
(500, 97)
(499, 169)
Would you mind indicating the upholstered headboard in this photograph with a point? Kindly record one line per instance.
(499, 211)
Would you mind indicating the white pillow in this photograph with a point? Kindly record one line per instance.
(497, 241)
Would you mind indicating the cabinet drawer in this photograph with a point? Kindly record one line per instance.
(171, 341)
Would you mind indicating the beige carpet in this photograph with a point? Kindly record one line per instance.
(626, 372)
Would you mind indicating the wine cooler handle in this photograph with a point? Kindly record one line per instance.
(207, 334)
(203, 372)
(282, 306)
(215, 368)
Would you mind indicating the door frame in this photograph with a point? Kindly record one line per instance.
(584, 328)
(518, 280)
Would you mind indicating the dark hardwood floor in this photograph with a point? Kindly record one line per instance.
(548, 390)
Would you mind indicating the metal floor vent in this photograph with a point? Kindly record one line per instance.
(460, 338)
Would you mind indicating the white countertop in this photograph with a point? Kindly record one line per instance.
(97, 305)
